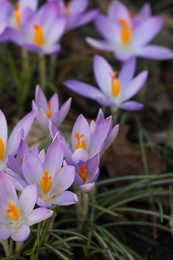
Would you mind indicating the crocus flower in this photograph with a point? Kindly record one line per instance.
(127, 40)
(74, 11)
(17, 215)
(49, 110)
(10, 146)
(87, 172)
(40, 34)
(115, 90)
(51, 179)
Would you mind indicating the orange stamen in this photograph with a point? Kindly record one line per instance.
(115, 84)
(126, 31)
(13, 212)
(67, 6)
(2, 150)
(48, 111)
(17, 15)
(79, 143)
(46, 182)
(38, 35)
(83, 172)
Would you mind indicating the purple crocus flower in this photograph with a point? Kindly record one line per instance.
(10, 146)
(126, 38)
(40, 34)
(17, 215)
(51, 179)
(74, 11)
(49, 110)
(115, 90)
(87, 172)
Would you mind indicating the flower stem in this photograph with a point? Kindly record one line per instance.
(82, 208)
(42, 71)
(114, 111)
(6, 248)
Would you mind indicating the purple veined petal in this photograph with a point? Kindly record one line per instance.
(54, 156)
(25, 123)
(118, 11)
(4, 232)
(81, 128)
(3, 132)
(83, 89)
(40, 98)
(98, 44)
(62, 180)
(78, 6)
(41, 155)
(13, 143)
(87, 187)
(13, 164)
(51, 49)
(127, 72)
(38, 215)
(52, 129)
(86, 18)
(78, 180)
(103, 73)
(56, 31)
(105, 101)
(131, 106)
(32, 47)
(54, 103)
(108, 29)
(58, 117)
(93, 168)
(42, 119)
(100, 116)
(42, 203)
(146, 32)
(135, 85)
(27, 200)
(65, 198)
(20, 233)
(80, 155)
(66, 148)
(145, 11)
(154, 52)
(124, 56)
(3, 25)
(32, 169)
(111, 137)
(31, 4)
(22, 150)
(7, 189)
(19, 183)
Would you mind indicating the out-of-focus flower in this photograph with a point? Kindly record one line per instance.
(74, 11)
(115, 89)
(127, 37)
(17, 215)
(49, 110)
(52, 179)
(10, 146)
(40, 34)
(87, 172)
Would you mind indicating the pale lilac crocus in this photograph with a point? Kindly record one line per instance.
(74, 11)
(49, 110)
(52, 180)
(17, 215)
(9, 146)
(115, 88)
(87, 172)
(128, 38)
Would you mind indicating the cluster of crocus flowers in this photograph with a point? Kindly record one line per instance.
(129, 36)
(115, 88)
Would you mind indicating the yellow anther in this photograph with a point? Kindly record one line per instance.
(67, 6)
(13, 212)
(126, 31)
(48, 111)
(79, 143)
(83, 172)
(38, 35)
(17, 15)
(115, 84)
(2, 150)
(46, 182)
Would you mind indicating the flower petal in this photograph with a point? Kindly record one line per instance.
(132, 106)
(65, 198)
(118, 11)
(4, 232)
(127, 72)
(98, 44)
(3, 130)
(155, 52)
(40, 98)
(27, 200)
(38, 215)
(20, 233)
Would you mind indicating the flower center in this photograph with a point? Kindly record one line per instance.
(48, 111)
(83, 172)
(1, 150)
(38, 35)
(67, 7)
(115, 84)
(13, 212)
(80, 143)
(17, 15)
(46, 182)
(126, 31)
